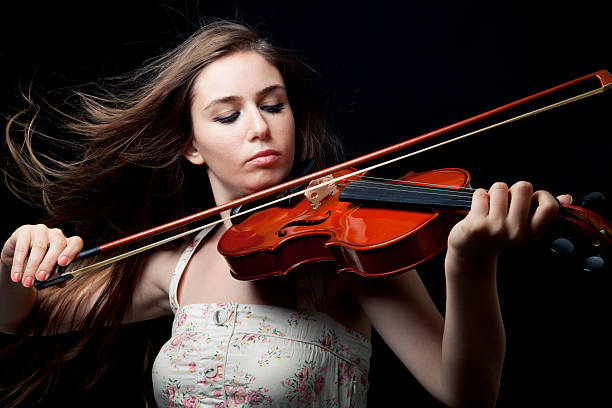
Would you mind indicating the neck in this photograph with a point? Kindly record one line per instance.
(397, 194)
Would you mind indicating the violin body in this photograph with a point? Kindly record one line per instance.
(367, 240)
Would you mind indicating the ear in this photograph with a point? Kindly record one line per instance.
(192, 154)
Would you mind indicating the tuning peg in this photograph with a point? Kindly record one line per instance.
(595, 202)
(595, 263)
(563, 247)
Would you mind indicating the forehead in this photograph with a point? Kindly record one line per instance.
(238, 74)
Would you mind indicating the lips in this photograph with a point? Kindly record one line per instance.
(264, 157)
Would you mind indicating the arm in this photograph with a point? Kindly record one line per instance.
(33, 251)
(459, 359)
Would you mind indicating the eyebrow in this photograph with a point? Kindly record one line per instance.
(226, 99)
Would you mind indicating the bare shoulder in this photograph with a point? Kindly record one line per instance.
(151, 293)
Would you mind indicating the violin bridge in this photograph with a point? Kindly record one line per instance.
(320, 193)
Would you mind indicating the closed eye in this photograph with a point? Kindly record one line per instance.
(273, 108)
(227, 119)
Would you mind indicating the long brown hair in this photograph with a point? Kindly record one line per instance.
(121, 168)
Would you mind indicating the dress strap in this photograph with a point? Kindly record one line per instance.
(181, 264)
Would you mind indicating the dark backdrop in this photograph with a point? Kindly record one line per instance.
(391, 72)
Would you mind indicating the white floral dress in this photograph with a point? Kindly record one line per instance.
(243, 355)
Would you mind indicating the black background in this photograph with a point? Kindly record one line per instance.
(393, 71)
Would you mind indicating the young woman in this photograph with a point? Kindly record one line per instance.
(227, 114)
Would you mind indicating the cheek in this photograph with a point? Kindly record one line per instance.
(211, 142)
(287, 128)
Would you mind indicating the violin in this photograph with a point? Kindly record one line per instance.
(367, 227)
(377, 228)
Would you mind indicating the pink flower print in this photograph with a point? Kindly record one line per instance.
(266, 357)
(194, 243)
(346, 372)
(319, 382)
(255, 398)
(217, 393)
(170, 392)
(293, 319)
(304, 394)
(239, 395)
(304, 374)
(181, 319)
(364, 378)
(192, 367)
(326, 341)
(342, 350)
(190, 401)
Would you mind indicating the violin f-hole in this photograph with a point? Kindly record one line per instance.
(298, 223)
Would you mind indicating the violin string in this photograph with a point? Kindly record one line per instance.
(430, 194)
(440, 192)
(442, 189)
(458, 196)
(335, 180)
(418, 183)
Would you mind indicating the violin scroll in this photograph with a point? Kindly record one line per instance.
(584, 237)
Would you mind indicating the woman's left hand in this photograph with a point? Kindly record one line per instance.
(501, 218)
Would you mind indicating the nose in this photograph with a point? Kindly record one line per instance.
(258, 126)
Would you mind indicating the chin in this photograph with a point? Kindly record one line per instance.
(266, 181)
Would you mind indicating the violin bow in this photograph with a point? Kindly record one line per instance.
(57, 276)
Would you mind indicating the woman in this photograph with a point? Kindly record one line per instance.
(228, 103)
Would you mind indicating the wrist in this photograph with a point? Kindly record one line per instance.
(469, 267)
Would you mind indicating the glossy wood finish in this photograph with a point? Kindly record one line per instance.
(366, 240)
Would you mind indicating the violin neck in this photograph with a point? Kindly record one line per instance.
(382, 193)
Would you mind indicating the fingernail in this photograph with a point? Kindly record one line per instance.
(41, 275)
(15, 276)
(63, 260)
(27, 281)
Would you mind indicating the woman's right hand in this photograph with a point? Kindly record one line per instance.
(32, 251)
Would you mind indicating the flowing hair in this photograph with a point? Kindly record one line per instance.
(117, 168)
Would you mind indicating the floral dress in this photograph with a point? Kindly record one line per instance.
(244, 355)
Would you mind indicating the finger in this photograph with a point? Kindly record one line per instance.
(521, 196)
(480, 203)
(39, 244)
(22, 238)
(57, 243)
(498, 206)
(545, 213)
(73, 246)
(8, 250)
(565, 199)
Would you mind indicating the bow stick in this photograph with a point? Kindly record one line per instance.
(603, 77)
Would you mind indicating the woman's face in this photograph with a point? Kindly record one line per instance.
(243, 126)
